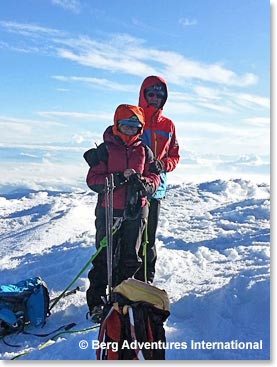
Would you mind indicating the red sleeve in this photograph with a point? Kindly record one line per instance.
(172, 158)
(96, 177)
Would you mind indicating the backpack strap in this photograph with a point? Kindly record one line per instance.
(10, 319)
(133, 333)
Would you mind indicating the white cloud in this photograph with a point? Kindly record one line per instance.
(213, 91)
(219, 99)
(258, 121)
(8, 121)
(99, 82)
(77, 115)
(176, 68)
(114, 62)
(207, 93)
(72, 5)
(42, 147)
(78, 139)
(180, 108)
(186, 22)
(21, 49)
(135, 58)
(247, 100)
(62, 90)
(17, 130)
(179, 69)
(88, 137)
(222, 137)
(28, 29)
(14, 128)
(228, 100)
(216, 107)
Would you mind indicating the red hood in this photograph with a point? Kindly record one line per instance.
(148, 82)
(125, 111)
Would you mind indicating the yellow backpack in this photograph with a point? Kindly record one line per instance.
(138, 291)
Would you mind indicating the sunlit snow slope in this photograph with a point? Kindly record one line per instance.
(213, 260)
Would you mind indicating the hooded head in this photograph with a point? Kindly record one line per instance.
(128, 115)
(155, 85)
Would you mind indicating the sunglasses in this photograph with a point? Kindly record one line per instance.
(160, 94)
(157, 90)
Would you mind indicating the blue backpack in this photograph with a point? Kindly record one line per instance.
(23, 303)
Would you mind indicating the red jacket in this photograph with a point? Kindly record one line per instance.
(120, 156)
(159, 133)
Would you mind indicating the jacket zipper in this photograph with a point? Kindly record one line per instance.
(127, 166)
(153, 139)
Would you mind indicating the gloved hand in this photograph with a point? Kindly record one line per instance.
(156, 166)
(119, 179)
(135, 180)
(141, 185)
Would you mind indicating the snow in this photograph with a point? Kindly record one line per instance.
(213, 260)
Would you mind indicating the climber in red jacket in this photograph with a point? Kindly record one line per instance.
(159, 134)
(123, 154)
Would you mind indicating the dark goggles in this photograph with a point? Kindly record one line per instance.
(155, 90)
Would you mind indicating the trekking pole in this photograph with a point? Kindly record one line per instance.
(111, 232)
(68, 293)
(109, 186)
(144, 252)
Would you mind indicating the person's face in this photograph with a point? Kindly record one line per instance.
(128, 130)
(155, 97)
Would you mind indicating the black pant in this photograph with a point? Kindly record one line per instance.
(126, 260)
(151, 253)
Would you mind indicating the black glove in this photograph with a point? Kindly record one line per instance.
(145, 188)
(156, 166)
(119, 179)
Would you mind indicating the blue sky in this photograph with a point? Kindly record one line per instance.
(67, 64)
